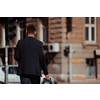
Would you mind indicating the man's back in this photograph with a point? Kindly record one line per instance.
(30, 57)
(29, 54)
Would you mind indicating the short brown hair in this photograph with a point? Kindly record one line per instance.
(31, 28)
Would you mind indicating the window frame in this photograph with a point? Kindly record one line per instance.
(89, 25)
(21, 29)
(41, 31)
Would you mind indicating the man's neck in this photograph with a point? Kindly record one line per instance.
(30, 35)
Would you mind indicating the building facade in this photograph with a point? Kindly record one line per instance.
(83, 33)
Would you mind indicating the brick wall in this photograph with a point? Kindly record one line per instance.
(57, 63)
(55, 29)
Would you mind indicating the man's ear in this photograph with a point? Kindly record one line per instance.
(26, 31)
(35, 33)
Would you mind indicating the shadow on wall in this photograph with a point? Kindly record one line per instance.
(49, 56)
(54, 68)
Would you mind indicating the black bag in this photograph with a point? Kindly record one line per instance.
(47, 81)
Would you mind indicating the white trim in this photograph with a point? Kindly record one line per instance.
(89, 25)
(90, 20)
(18, 32)
(95, 29)
(43, 36)
(41, 32)
(4, 40)
(90, 42)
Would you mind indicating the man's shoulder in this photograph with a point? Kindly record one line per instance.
(21, 40)
(39, 41)
(25, 39)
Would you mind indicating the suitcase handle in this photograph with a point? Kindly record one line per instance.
(47, 80)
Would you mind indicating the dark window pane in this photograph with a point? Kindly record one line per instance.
(46, 22)
(43, 21)
(92, 20)
(10, 71)
(92, 33)
(69, 24)
(3, 69)
(90, 62)
(21, 34)
(21, 25)
(87, 33)
(45, 29)
(44, 35)
(87, 20)
(22, 30)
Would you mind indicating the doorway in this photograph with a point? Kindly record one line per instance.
(91, 68)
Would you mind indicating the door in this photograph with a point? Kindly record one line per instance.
(91, 68)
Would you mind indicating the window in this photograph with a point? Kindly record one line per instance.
(69, 24)
(91, 68)
(44, 30)
(3, 69)
(90, 30)
(21, 24)
(10, 70)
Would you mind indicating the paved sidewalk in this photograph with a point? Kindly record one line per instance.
(96, 82)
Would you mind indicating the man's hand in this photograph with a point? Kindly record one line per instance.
(47, 77)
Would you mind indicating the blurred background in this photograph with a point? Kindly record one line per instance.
(71, 46)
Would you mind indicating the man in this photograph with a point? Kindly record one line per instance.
(30, 57)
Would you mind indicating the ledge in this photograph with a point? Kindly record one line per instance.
(13, 46)
(85, 45)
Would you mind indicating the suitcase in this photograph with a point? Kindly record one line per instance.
(47, 81)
